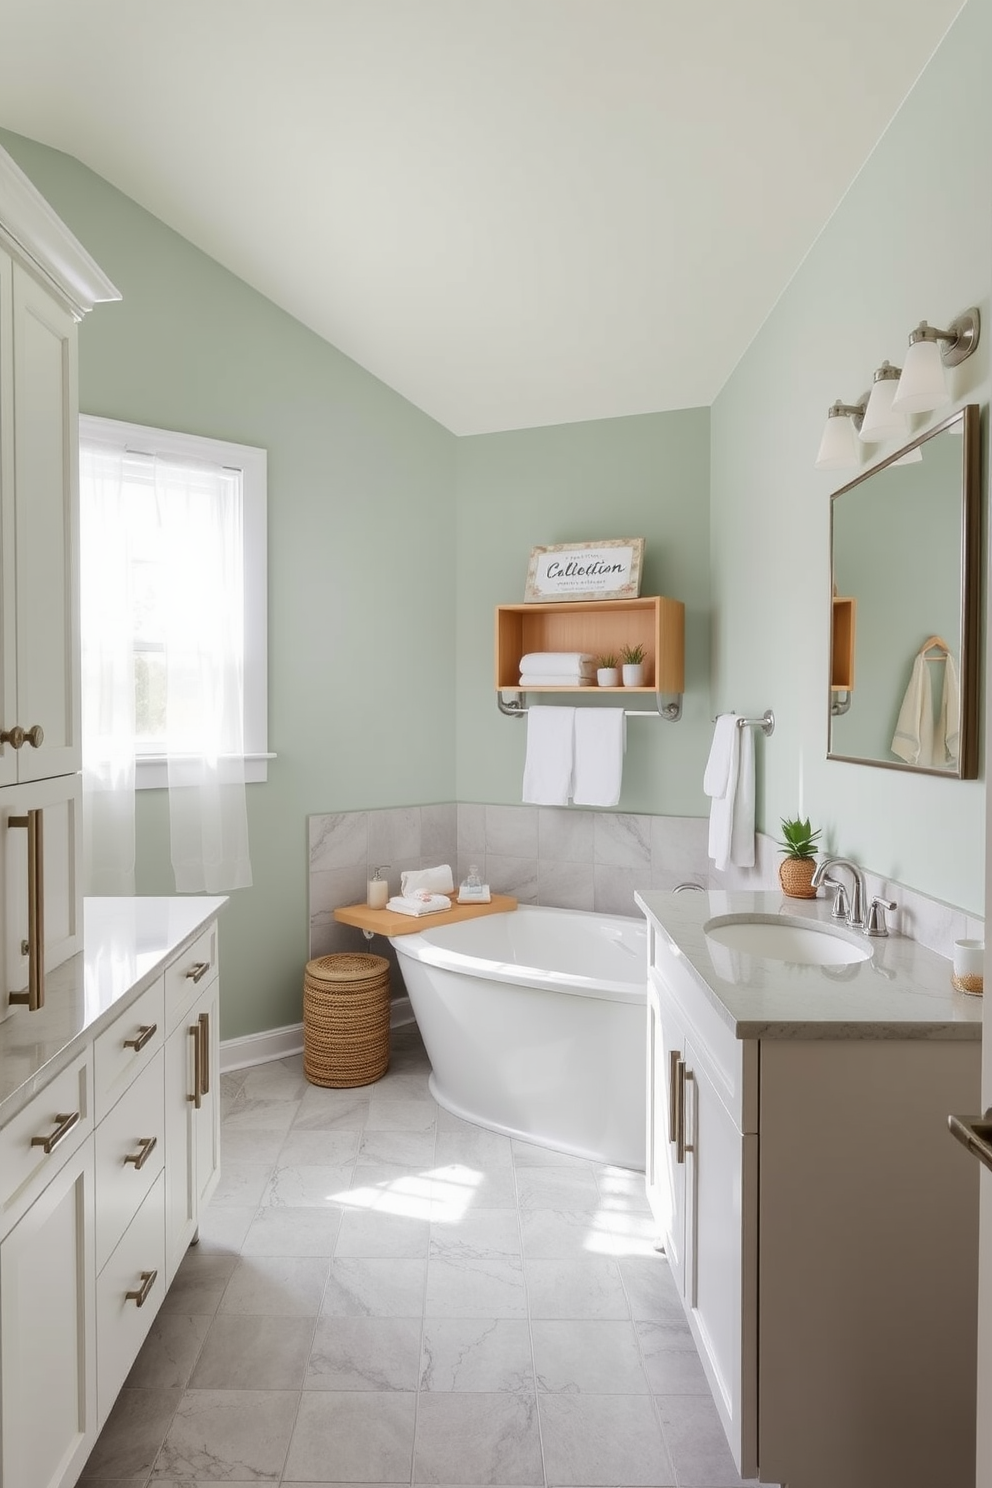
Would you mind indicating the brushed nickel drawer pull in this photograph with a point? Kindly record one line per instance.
(141, 1295)
(65, 1124)
(144, 1033)
(680, 1112)
(34, 997)
(194, 1033)
(147, 1145)
(674, 1060)
(204, 1022)
(197, 970)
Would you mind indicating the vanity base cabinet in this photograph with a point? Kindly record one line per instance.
(192, 1095)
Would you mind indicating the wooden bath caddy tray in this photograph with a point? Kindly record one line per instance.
(388, 922)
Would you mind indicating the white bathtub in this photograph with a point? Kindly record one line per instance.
(535, 1026)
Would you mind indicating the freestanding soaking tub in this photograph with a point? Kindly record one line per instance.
(535, 1025)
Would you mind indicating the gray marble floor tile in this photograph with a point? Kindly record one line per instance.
(259, 1115)
(241, 1183)
(166, 1358)
(477, 1232)
(222, 1231)
(243, 1145)
(670, 1370)
(484, 1438)
(472, 1146)
(276, 1286)
(318, 1149)
(530, 1155)
(370, 1232)
(558, 1188)
(651, 1290)
(458, 1187)
(697, 1443)
(365, 1353)
(484, 1286)
(296, 1231)
(330, 1110)
(358, 1436)
(590, 1439)
(477, 1354)
(589, 1357)
(400, 1114)
(133, 1434)
(623, 1191)
(101, 1482)
(357, 1287)
(200, 1283)
(276, 1080)
(308, 1187)
(228, 1436)
(575, 1289)
(551, 1234)
(406, 1148)
(253, 1353)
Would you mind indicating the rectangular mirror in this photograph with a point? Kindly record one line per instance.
(905, 549)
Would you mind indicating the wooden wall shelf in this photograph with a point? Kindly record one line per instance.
(842, 644)
(595, 626)
(388, 922)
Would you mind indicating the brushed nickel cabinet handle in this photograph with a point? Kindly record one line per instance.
(204, 1022)
(147, 1145)
(680, 1111)
(197, 970)
(141, 1295)
(65, 1124)
(34, 997)
(674, 1060)
(144, 1033)
(975, 1133)
(194, 1033)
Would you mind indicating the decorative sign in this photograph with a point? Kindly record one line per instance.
(610, 569)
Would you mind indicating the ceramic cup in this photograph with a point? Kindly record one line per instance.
(968, 966)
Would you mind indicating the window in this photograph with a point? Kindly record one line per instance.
(214, 595)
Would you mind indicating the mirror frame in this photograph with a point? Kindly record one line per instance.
(971, 585)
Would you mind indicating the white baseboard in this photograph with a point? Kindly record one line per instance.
(280, 1043)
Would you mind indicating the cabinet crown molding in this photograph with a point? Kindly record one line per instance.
(40, 235)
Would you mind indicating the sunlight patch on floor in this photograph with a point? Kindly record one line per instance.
(440, 1194)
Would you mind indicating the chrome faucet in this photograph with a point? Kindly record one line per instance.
(856, 912)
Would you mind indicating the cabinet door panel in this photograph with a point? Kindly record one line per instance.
(8, 636)
(665, 1174)
(180, 1177)
(46, 460)
(60, 801)
(47, 1333)
(207, 1118)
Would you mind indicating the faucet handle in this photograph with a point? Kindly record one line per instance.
(875, 923)
(839, 910)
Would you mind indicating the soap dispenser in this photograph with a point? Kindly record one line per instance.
(377, 889)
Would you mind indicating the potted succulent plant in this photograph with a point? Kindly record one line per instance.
(607, 671)
(633, 665)
(795, 872)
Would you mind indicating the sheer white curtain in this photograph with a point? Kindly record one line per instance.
(107, 674)
(200, 518)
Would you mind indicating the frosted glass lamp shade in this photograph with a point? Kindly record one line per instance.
(882, 421)
(838, 447)
(922, 386)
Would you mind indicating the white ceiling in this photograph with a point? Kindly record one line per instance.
(515, 212)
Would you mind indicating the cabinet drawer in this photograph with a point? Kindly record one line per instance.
(189, 975)
(137, 1266)
(58, 1119)
(130, 1151)
(124, 1049)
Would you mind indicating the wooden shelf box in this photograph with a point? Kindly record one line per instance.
(842, 644)
(597, 627)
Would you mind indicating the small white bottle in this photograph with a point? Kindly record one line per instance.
(377, 889)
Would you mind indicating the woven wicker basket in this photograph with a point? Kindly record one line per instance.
(346, 1020)
(795, 874)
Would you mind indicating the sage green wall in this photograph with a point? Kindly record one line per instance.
(361, 550)
(912, 239)
(645, 476)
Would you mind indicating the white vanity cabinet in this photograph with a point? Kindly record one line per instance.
(820, 1228)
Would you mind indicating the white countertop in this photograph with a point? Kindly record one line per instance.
(126, 943)
(903, 991)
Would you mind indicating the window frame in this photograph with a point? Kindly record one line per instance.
(151, 770)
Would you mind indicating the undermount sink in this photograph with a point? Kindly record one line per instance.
(784, 938)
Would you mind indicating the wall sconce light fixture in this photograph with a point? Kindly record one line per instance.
(881, 420)
(839, 447)
(922, 386)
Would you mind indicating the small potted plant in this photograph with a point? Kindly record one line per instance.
(607, 670)
(795, 872)
(633, 665)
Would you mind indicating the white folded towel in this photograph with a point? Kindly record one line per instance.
(548, 762)
(481, 895)
(600, 740)
(558, 661)
(537, 680)
(729, 782)
(435, 880)
(913, 738)
(428, 904)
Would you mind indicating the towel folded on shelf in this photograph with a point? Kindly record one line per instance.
(600, 740)
(548, 761)
(418, 904)
(438, 880)
(536, 680)
(557, 661)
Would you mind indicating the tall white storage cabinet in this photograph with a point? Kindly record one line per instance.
(47, 283)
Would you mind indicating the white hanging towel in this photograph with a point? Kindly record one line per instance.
(913, 738)
(949, 723)
(600, 740)
(720, 784)
(548, 762)
(742, 822)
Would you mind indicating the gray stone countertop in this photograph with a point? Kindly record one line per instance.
(126, 945)
(903, 991)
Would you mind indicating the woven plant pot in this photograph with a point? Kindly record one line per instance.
(796, 875)
(346, 1020)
